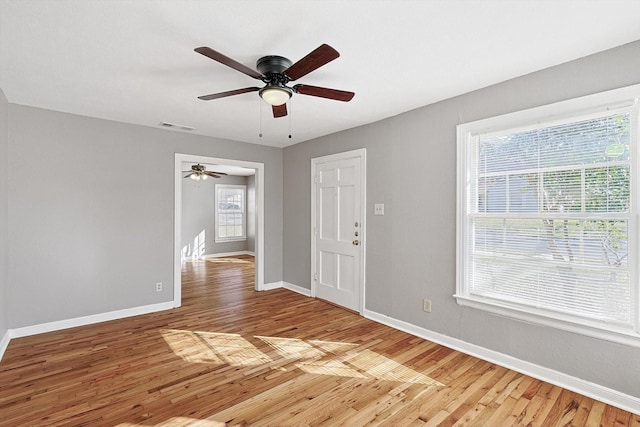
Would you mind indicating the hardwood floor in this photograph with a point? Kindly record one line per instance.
(233, 356)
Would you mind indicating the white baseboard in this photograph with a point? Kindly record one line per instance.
(586, 388)
(4, 343)
(290, 286)
(226, 254)
(295, 288)
(87, 320)
(273, 285)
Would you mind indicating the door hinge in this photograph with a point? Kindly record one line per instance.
(315, 277)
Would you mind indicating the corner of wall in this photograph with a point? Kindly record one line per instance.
(4, 227)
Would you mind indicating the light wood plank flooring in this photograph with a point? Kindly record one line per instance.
(233, 356)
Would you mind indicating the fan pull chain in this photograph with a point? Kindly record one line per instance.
(290, 112)
(260, 134)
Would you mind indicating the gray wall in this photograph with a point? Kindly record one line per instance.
(91, 211)
(198, 213)
(411, 168)
(4, 227)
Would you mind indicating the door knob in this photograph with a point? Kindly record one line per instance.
(356, 242)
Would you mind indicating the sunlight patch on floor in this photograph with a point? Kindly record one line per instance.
(313, 359)
(293, 348)
(311, 356)
(383, 368)
(214, 348)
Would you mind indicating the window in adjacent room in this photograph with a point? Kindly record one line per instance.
(230, 224)
(547, 215)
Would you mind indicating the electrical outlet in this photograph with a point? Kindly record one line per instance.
(426, 305)
(159, 287)
(378, 209)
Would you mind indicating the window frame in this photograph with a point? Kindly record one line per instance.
(217, 237)
(544, 116)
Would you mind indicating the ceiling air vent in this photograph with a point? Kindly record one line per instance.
(175, 126)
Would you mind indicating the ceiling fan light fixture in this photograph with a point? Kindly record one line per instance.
(199, 172)
(275, 95)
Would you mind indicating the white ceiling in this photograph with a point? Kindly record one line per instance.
(133, 60)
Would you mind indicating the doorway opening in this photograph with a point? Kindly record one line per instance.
(202, 241)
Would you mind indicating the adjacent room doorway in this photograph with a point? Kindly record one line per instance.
(259, 216)
(338, 228)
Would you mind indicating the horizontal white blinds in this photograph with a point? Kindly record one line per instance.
(230, 210)
(549, 216)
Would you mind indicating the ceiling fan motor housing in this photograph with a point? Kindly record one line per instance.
(273, 67)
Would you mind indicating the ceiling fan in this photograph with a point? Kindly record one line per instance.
(276, 72)
(199, 172)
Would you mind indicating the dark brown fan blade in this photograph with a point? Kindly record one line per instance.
(188, 175)
(228, 93)
(217, 56)
(316, 59)
(323, 92)
(214, 174)
(279, 110)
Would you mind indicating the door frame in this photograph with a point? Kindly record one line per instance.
(259, 242)
(360, 153)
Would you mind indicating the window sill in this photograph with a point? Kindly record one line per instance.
(233, 239)
(608, 332)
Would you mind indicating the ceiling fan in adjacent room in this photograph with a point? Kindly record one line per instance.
(199, 172)
(276, 72)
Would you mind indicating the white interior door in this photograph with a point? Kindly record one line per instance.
(338, 229)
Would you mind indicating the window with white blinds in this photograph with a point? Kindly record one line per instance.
(230, 221)
(547, 217)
